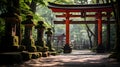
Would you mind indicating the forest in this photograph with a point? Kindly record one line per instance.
(79, 33)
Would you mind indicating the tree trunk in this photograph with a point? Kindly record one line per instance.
(90, 36)
(116, 53)
(96, 34)
(33, 6)
(107, 1)
(118, 26)
(108, 33)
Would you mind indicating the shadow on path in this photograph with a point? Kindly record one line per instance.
(78, 58)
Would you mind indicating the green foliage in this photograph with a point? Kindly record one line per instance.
(3, 6)
(3, 1)
(64, 1)
(42, 49)
(41, 2)
(59, 29)
(2, 26)
(29, 44)
(46, 14)
(24, 8)
(26, 1)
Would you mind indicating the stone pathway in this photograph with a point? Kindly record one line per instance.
(78, 58)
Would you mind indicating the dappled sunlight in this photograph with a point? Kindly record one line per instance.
(75, 58)
(56, 33)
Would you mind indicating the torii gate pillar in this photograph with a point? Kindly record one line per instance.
(100, 47)
(67, 48)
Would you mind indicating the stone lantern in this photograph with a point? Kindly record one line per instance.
(49, 39)
(40, 43)
(10, 42)
(40, 33)
(28, 41)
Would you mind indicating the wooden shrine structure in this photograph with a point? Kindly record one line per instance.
(83, 9)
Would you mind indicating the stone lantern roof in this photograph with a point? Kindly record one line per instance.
(28, 21)
(40, 24)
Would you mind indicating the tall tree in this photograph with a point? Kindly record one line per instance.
(116, 10)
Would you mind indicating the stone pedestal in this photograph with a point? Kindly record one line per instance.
(67, 49)
(100, 49)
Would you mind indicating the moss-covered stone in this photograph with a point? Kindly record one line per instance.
(28, 41)
(10, 43)
(53, 53)
(26, 56)
(49, 42)
(115, 55)
(29, 44)
(22, 48)
(40, 43)
(45, 54)
(42, 49)
(35, 55)
(30, 55)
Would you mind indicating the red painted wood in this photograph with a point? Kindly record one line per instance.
(88, 9)
(85, 10)
(83, 22)
(67, 28)
(92, 15)
(99, 28)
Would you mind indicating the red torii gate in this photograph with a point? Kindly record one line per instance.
(98, 8)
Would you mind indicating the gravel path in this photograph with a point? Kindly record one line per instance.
(78, 58)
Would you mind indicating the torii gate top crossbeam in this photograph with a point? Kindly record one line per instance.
(80, 8)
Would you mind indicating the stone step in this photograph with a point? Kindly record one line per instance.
(10, 58)
(30, 55)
